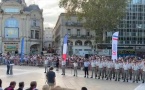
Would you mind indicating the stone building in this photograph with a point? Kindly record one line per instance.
(17, 21)
(81, 41)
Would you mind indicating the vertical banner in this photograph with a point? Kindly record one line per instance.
(22, 49)
(64, 55)
(114, 45)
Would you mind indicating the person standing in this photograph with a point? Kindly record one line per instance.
(93, 65)
(100, 66)
(135, 69)
(51, 78)
(117, 71)
(8, 66)
(109, 68)
(46, 64)
(63, 67)
(11, 66)
(75, 64)
(57, 64)
(86, 67)
(143, 70)
(125, 71)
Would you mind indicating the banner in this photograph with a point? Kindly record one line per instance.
(114, 45)
(65, 47)
(22, 49)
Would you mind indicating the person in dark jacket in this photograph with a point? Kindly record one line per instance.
(8, 65)
(12, 86)
(57, 64)
(21, 86)
(33, 86)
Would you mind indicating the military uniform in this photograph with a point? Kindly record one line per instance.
(117, 71)
(125, 72)
(135, 69)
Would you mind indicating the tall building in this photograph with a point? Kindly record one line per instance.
(81, 40)
(47, 38)
(131, 30)
(17, 21)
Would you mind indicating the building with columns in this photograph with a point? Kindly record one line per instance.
(81, 40)
(17, 21)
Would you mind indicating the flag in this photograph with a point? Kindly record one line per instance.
(64, 55)
(22, 49)
(114, 45)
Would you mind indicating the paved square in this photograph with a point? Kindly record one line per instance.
(28, 74)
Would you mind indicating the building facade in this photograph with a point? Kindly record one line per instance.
(131, 30)
(47, 38)
(17, 21)
(81, 40)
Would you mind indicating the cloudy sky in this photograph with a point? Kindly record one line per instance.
(51, 10)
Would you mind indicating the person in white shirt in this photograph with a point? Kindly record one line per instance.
(93, 66)
(86, 67)
(63, 66)
(143, 70)
(46, 64)
(117, 71)
(108, 70)
(75, 64)
(125, 71)
(135, 69)
(100, 66)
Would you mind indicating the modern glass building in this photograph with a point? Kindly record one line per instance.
(131, 29)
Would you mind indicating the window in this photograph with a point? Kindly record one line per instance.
(88, 33)
(36, 34)
(68, 31)
(78, 32)
(35, 23)
(32, 34)
(11, 10)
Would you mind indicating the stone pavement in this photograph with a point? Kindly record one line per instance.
(28, 74)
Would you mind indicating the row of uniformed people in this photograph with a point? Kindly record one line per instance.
(108, 69)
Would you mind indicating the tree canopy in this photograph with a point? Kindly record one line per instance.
(99, 15)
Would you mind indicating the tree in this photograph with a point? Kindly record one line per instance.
(99, 15)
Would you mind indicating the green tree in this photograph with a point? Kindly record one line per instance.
(99, 15)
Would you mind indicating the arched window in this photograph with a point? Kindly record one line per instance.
(78, 42)
(11, 28)
(88, 43)
(70, 42)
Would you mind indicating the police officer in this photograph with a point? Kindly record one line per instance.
(135, 69)
(86, 67)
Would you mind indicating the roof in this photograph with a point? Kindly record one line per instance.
(32, 7)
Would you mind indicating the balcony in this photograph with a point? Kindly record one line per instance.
(74, 24)
(75, 36)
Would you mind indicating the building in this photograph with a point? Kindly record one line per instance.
(47, 38)
(81, 40)
(131, 30)
(17, 21)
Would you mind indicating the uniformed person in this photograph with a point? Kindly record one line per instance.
(143, 71)
(100, 66)
(75, 64)
(117, 71)
(135, 72)
(93, 67)
(125, 71)
(108, 70)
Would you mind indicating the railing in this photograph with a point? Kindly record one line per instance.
(11, 39)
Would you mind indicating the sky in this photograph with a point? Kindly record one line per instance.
(51, 10)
